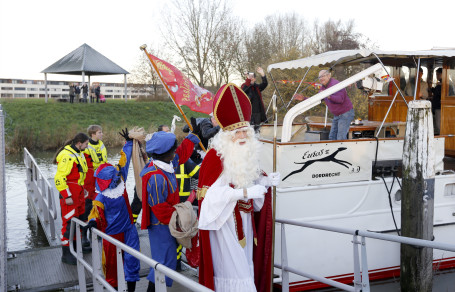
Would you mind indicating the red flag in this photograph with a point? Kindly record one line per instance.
(184, 92)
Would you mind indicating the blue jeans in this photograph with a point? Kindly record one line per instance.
(340, 126)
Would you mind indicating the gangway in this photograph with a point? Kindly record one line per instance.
(41, 269)
(43, 197)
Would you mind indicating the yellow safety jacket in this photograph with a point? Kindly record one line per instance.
(98, 152)
(71, 167)
(183, 175)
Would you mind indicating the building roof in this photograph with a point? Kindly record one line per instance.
(85, 59)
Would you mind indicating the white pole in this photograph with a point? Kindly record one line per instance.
(45, 87)
(126, 93)
(89, 90)
(82, 91)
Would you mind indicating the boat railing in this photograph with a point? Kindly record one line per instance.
(361, 277)
(316, 100)
(41, 192)
(99, 281)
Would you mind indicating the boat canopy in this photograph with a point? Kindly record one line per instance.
(358, 56)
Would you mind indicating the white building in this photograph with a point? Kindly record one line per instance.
(20, 88)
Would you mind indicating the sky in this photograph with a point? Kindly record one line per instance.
(35, 34)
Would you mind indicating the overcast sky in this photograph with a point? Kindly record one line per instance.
(36, 33)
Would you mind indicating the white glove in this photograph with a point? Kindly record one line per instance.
(274, 178)
(256, 192)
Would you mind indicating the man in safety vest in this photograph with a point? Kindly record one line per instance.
(184, 173)
(69, 180)
(95, 154)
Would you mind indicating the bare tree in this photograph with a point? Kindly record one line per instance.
(278, 38)
(194, 30)
(335, 35)
(144, 79)
(287, 33)
(224, 53)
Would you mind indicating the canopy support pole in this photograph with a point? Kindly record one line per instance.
(417, 78)
(89, 90)
(45, 87)
(301, 81)
(124, 81)
(393, 80)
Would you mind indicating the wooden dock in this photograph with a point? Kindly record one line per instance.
(41, 269)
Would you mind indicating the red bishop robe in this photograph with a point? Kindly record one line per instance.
(209, 172)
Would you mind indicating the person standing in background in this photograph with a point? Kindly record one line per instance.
(253, 91)
(71, 93)
(69, 181)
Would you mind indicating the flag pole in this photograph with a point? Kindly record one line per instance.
(143, 47)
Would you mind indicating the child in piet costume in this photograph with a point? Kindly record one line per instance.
(111, 214)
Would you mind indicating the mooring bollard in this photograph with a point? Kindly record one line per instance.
(417, 205)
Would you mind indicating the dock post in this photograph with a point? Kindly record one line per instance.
(417, 205)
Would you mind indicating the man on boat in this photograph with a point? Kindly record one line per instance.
(436, 102)
(253, 91)
(339, 105)
(69, 180)
(235, 246)
(160, 193)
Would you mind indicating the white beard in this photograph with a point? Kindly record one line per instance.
(240, 162)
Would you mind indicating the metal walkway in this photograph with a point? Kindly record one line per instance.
(43, 197)
(41, 269)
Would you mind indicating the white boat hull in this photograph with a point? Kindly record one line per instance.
(351, 200)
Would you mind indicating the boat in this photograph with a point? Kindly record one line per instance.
(356, 183)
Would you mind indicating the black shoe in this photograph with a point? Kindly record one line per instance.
(151, 287)
(85, 249)
(85, 241)
(67, 257)
(131, 286)
(179, 266)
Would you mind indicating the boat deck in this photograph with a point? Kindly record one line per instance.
(41, 269)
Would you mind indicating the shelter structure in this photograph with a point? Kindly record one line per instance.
(84, 61)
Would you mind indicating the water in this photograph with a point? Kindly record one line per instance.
(23, 228)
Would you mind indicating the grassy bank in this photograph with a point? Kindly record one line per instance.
(37, 125)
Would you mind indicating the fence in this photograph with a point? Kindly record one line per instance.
(98, 279)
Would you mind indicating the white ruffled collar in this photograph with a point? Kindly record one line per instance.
(167, 167)
(114, 193)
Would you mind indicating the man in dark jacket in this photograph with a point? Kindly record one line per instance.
(253, 91)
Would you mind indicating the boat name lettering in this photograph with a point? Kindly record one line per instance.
(329, 174)
(309, 154)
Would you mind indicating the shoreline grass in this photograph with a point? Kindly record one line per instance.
(37, 125)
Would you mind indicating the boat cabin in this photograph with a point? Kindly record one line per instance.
(388, 98)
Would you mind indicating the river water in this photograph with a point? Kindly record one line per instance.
(23, 228)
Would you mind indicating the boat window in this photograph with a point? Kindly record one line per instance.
(451, 78)
(408, 79)
(385, 77)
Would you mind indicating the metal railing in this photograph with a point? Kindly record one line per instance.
(41, 192)
(361, 277)
(99, 280)
(3, 247)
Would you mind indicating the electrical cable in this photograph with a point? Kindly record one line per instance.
(390, 200)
